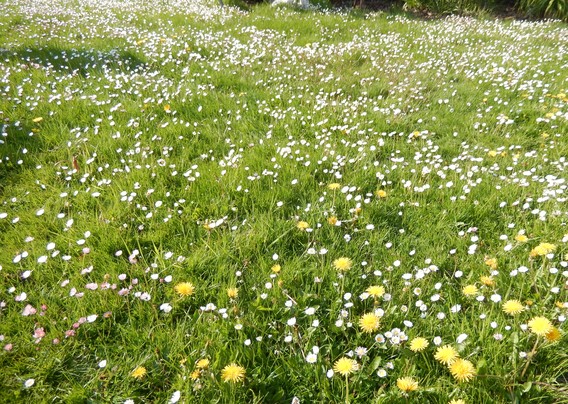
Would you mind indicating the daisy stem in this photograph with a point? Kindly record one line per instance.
(531, 355)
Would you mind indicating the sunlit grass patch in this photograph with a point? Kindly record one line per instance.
(215, 205)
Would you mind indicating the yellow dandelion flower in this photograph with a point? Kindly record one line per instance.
(233, 373)
(407, 384)
(276, 268)
(202, 363)
(540, 325)
(345, 366)
(184, 288)
(343, 264)
(553, 335)
(167, 108)
(376, 291)
(418, 344)
(37, 120)
(233, 293)
(491, 153)
(139, 372)
(462, 370)
(491, 262)
(457, 401)
(369, 322)
(487, 280)
(332, 220)
(542, 249)
(334, 186)
(521, 238)
(301, 225)
(446, 354)
(381, 194)
(470, 290)
(195, 375)
(513, 307)
(561, 305)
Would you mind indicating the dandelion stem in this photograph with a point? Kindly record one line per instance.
(531, 355)
(346, 389)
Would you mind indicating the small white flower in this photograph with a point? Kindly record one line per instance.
(29, 383)
(291, 322)
(311, 357)
(495, 298)
(102, 363)
(381, 372)
(175, 397)
(461, 338)
(330, 373)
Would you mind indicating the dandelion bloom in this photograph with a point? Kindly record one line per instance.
(521, 238)
(376, 291)
(457, 401)
(462, 370)
(491, 262)
(184, 288)
(333, 186)
(540, 325)
(332, 220)
(418, 344)
(553, 335)
(301, 225)
(343, 264)
(513, 307)
(195, 375)
(542, 249)
(470, 290)
(369, 322)
(381, 194)
(139, 372)
(233, 293)
(407, 384)
(345, 366)
(446, 354)
(487, 280)
(233, 373)
(202, 363)
(276, 268)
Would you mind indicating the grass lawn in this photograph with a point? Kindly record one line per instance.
(223, 206)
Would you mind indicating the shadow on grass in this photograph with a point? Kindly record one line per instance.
(79, 61)
(12, 145)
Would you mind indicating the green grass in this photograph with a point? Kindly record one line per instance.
(187, 143)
